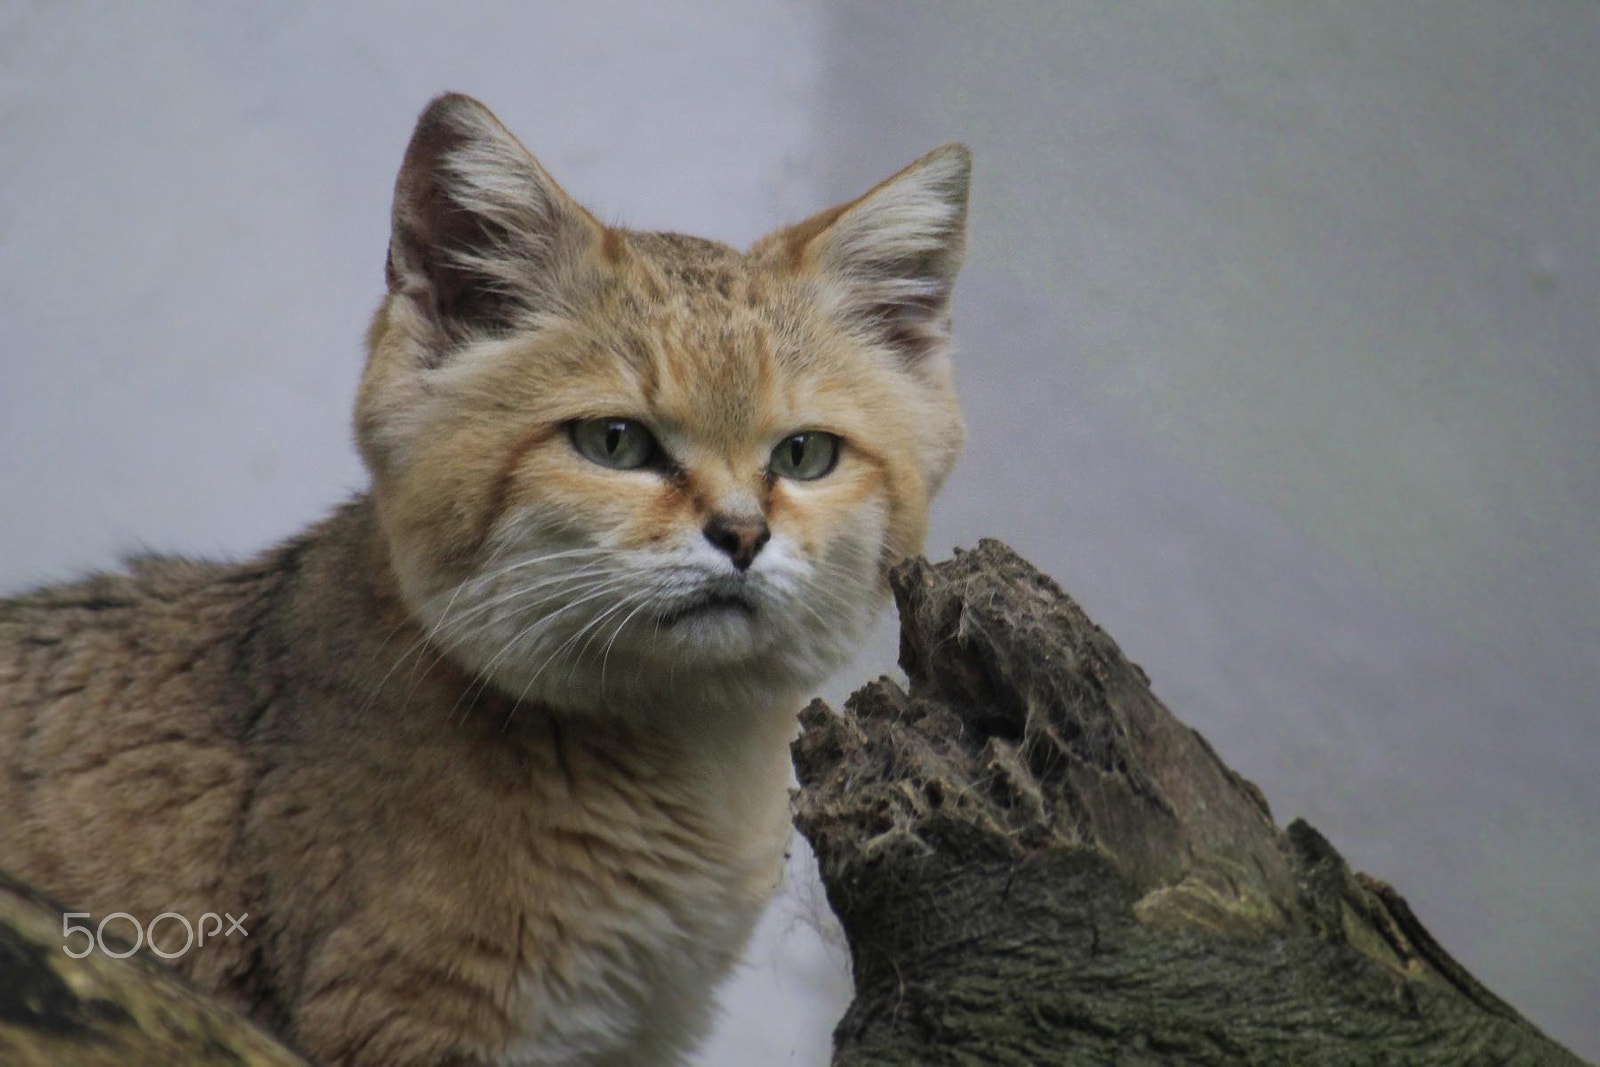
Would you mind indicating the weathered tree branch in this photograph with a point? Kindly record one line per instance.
(1035, 862)
(105, 1011)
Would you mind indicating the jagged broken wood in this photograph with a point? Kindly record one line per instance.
(1035, 862)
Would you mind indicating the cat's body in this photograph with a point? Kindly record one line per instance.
(495, 758)
(203, 739)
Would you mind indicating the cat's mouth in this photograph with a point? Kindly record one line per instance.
(708, 605)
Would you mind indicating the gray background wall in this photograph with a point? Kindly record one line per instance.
(1279, 349)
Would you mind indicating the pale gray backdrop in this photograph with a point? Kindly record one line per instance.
(1279, 349)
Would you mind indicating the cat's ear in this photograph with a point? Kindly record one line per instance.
(482, 235)
(893, 254)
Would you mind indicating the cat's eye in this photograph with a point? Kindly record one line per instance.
(621, 444)
(806, 456)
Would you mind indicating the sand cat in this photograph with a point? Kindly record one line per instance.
(494, 758)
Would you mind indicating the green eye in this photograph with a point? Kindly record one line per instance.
(621, 444)
(806, 456)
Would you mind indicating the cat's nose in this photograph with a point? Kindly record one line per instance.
(740, 538)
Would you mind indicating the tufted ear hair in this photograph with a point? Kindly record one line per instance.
(482, 236)
(893, 253)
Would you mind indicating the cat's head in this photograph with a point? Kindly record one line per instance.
(609, 462)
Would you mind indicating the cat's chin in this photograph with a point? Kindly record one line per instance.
(716, 632)
(722, 656)
(722, 636)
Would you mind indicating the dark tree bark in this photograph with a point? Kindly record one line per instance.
(102, 1011)
(1036, 863)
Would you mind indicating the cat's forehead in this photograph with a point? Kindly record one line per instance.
(701, 330)
(692, 265)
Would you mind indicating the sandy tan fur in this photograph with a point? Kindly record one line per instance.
(484, 794)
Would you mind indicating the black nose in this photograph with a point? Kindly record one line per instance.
(741, 539)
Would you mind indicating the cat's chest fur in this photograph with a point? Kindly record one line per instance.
(580, 885)
(641, 886)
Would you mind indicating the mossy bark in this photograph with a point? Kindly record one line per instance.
(103, 1011)
(1035, 862)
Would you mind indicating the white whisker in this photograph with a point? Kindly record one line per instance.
(605, 657)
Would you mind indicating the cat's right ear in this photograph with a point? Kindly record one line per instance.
(483, 238)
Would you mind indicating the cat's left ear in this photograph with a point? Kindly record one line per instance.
(893, 253)
(482, 235)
